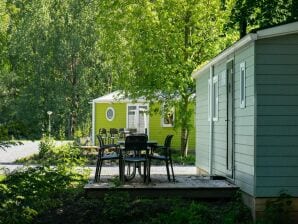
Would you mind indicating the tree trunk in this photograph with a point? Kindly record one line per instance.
(74, 99)
(184, 141)
(184, 125)
(242, 27)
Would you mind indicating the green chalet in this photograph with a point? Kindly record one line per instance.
(247, 115)
(116, 111)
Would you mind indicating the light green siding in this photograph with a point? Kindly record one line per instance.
(202, 123)
(156, 131)
(277, 122)
(100, 116)
(244, 121)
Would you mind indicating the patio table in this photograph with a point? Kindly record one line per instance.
(132, 173)
(89, 148)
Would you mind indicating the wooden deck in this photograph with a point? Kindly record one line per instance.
(186, 186)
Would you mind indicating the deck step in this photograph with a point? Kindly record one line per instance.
(186, 186)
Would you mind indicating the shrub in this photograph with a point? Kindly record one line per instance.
(277, 210)
(28, 192)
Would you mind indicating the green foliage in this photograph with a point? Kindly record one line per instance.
(250, 14)
(45, 146)
(236, 211)
(278, 211)
(65, 156)
(184, 160)
(49, 61)
(161, 42)
(195, 213)
(117, 206)
(26, 193)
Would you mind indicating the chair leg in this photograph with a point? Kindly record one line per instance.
(145, 172)
(168, 170)
(120, 170)
(149, 170)
(96, 171)
(171, 162)
(100, 169)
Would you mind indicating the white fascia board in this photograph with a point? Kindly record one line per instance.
(286, 29)
(120, 101)
(116, 97)
(240, 43)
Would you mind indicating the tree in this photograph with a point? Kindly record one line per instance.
(152, 47)
(57, 64)
(251, 14)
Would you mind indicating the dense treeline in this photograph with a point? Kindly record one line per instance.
(50, 62)
(58, 55)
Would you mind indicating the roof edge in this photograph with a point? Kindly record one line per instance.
(245, 40)
(285, 29)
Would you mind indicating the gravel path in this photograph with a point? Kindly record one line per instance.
(11, 154)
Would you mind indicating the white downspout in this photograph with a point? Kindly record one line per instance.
(211, 121)
(93, 123)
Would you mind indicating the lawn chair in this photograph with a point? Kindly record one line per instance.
(114, 134)
(133, 154)
(106, 152)
(163, 153)
(104, 135)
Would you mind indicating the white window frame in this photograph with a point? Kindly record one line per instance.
(137, 114)
(163, 124)
(242, 75)
(209, 99)
(213, 96)
(215, 100)
(113, 111)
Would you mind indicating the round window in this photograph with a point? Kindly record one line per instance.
(110, 113)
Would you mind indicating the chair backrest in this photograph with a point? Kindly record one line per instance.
(136, 142)
(133, 130)
(168, 141)
(100, 141)
(102, 131)
(121, 133)
(113, 131)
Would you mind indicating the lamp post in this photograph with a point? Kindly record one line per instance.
(49, 113)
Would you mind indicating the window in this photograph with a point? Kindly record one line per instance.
(209, 99)
(215, 98)
(167, 116)
(242, 85)
(137, 117)
(110, 113)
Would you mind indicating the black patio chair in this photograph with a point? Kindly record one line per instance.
(106, 152)
(104, 134)
(163, 153)
(114, 134)
(121, 133)
(135, 153)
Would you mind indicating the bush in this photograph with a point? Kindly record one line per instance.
(236, 211)
(45, 146)
(28, 192)
(277, 210)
